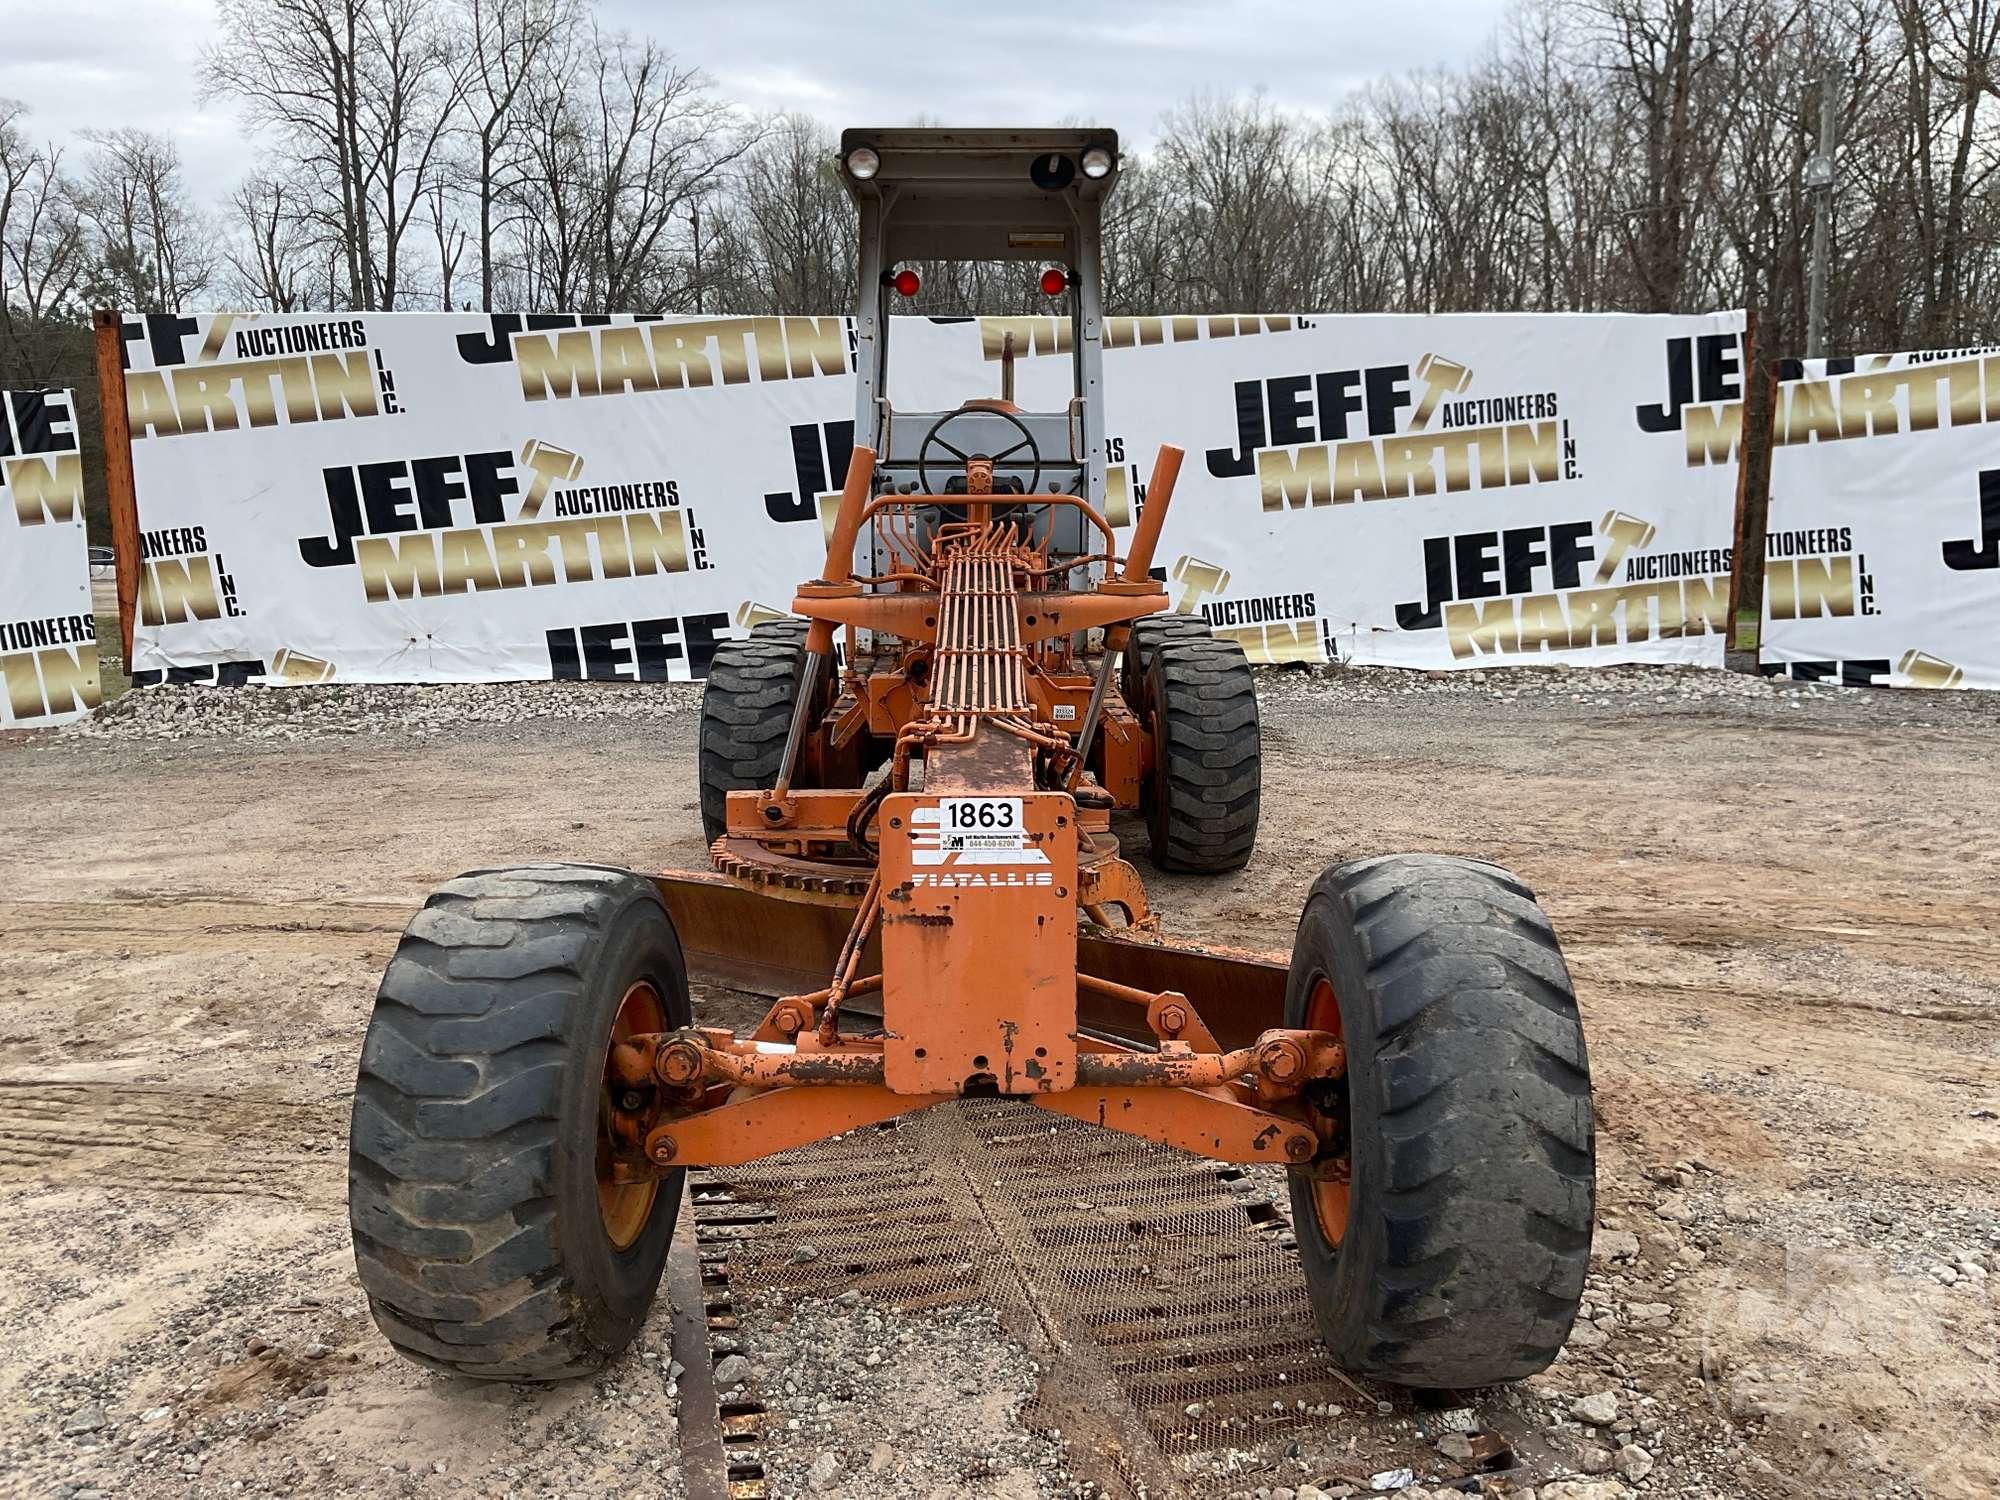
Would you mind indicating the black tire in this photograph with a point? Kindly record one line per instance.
(1467, 1113)
(1148, 634)
(472, 1157)
(1201, 800)
(746, 714)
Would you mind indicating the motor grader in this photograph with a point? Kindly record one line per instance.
(913, 793)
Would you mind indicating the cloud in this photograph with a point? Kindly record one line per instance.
(86, 64)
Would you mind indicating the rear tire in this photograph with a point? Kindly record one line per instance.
(480, 1233)
(1455, 1256)
(1147, 635)
(1202, 798)
(746, 715)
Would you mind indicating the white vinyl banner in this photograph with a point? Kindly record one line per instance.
(1883, 549)
(446, 497)
(48, 631)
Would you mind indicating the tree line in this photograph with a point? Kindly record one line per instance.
(1635, 155)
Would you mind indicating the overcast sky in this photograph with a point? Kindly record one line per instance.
(84, 63)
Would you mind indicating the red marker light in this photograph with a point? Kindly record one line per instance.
(906, 283)
(1054, 282)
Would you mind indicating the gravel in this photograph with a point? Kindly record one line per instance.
(422, 710)
(404, 710)
(878, 1402)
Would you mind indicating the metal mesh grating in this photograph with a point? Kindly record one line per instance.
(1132, 1269)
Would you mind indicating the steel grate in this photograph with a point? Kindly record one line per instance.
(1128, 1267)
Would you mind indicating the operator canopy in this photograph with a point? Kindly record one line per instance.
(981, 194)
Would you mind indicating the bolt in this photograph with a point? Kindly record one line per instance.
(662, 1149)
(788, 1020)
(1173, 1019)
(631, 1099)
(1301, 1148)
(680, 1063)
(1281, 1061)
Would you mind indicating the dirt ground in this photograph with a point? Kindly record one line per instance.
(1782, 911)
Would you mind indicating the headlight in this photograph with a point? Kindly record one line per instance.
(1097, 162)
(863, 163)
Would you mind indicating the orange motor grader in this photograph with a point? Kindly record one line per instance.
(914, 855)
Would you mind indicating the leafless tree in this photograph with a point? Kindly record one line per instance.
(43, 255)
(154, 247)
(362, 94)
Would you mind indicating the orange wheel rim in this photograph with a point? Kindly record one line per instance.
(1330, 1194)
(625, 1207)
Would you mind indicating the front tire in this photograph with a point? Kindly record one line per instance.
(1201, 801)
(487, 1233)
(746, 715)
(1449, 1249)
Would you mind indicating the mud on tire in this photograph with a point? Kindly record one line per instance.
(472, 1156)
(1467, 1114)
(746, 713)
(1201, 801)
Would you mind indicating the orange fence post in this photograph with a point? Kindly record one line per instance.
(119, 494)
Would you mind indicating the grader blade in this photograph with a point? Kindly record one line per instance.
(734, 937)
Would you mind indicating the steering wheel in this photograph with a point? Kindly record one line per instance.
(931, 438)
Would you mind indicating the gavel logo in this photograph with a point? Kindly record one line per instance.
(296, 667)
(1198, 580)
(750, 614)
(1920, 669)
(1442, 377)
(1622, 534)
(551, 466)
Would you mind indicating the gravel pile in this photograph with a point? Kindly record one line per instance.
(422, 710)
(404, 710)
(881, 1403)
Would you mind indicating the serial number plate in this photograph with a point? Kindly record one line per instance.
(968, 824)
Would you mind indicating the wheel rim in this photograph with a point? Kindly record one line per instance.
(1330, 1193)
(625, 1207)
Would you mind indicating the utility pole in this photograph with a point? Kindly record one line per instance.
(694, 214)
(1819, 182)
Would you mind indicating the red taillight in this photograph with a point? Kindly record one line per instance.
(1054, 282)
(906, 283)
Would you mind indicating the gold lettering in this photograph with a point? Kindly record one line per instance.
(1473, 629)
(465, 561)
(521, 553)
(173, 590)
(1868, 406)
(657, 543)
(559, 365)
(623, 361)
(1712, 433)
(1406, 464)
(1811, 414)
(24, 685)
(1357, 472)
(1543, 623)
(1534, 451)
(1825, 587)
(1291, 480)
(404, 567)
(69, 678)
(46, 487)
(816, 346)
(345, 384)
(681, 360)
(148, 408)
(204, 400)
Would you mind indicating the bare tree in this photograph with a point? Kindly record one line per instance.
(509, 41)
(154, 247)
(363, 94)
(43, 257)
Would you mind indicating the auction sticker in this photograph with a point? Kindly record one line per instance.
(979, 825)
